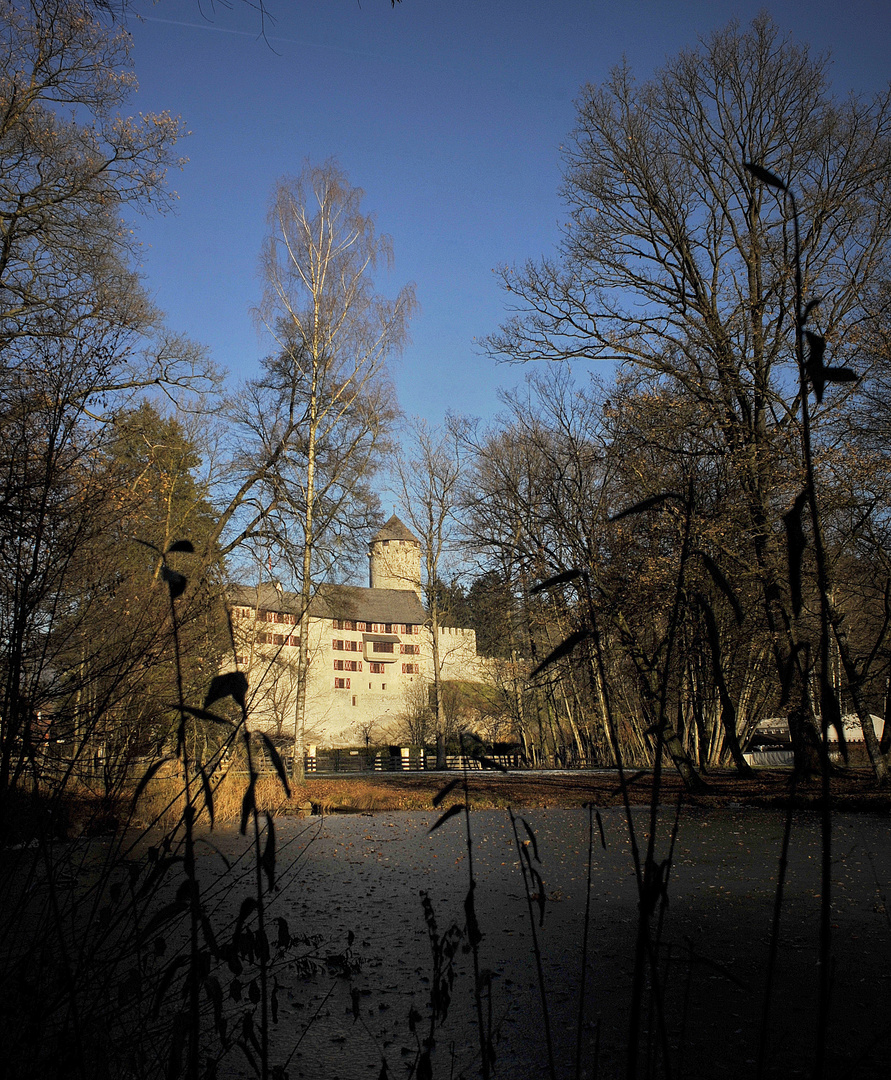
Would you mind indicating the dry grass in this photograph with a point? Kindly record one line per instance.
(162, 802)
(854, 790)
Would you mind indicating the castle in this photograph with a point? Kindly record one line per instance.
(370, 650)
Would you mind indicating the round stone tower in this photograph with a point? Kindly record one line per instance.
(394, 558)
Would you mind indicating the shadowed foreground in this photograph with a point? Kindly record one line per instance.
(364, 874)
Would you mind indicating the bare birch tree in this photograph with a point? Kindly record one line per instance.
(316, 425)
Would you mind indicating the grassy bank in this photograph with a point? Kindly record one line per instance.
(855, 790)
(81, 811)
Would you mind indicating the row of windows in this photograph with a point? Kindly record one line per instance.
(287, 618)
(278, 639)
(263, 615)
(344, 684)
(339, 645)
(347, 665)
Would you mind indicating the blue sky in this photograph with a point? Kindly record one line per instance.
(448, 113)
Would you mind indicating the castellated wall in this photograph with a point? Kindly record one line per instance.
(457, 655)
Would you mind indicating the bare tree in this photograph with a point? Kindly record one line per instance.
(78, 336)
(315, 427)
(69, 163)
(676, 259)
(428, 476)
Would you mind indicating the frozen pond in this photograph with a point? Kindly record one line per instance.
(364, 874)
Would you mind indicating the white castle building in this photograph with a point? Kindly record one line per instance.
(370, 650)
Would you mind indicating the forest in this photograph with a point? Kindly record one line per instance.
(654, 561)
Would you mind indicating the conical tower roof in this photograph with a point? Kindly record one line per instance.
(395, 530)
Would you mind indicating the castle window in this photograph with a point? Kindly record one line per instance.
(411, 669)
(413, 650)
(347, 665)
(376, 669)
(355, 701)
(383, 646)
(337, 644)
(341, 684)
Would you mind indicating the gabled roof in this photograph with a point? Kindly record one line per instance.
(395, 530)
(265, 596)
(368, 605)
(337, 602)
